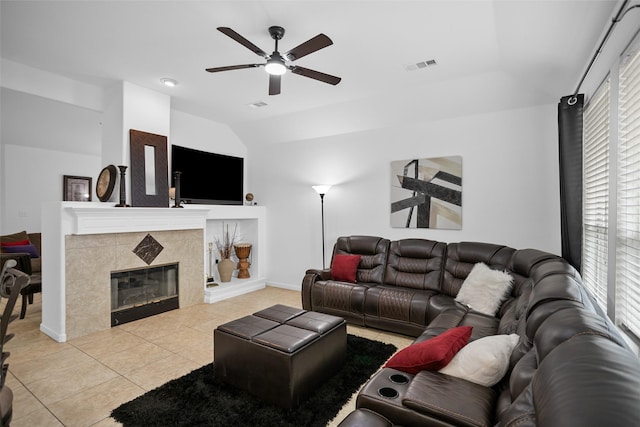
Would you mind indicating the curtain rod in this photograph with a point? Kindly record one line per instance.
(621, 13)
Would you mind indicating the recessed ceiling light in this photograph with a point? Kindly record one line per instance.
(169, 82)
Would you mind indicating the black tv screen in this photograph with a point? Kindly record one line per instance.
(207, 178)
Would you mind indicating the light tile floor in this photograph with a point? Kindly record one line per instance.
(79, 382)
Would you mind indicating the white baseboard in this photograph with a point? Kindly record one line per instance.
(53, 334)
(285, 286)
(232, 289)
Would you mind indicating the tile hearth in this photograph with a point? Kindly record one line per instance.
(79, 382)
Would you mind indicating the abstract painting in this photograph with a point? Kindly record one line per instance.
(427, 193)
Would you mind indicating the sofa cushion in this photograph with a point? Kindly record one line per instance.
(397, 309)
(568, 323)
(451, 400)
(484, 361)
(415, 263)
(15, 237)
(484, 289)
(373, 255)
(344, 268)
(431, 354)
(514, 308)
(462, 257)
(522, 373)
(340, 299)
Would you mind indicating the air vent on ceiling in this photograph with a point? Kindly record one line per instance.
(257, 104)
(421, 65)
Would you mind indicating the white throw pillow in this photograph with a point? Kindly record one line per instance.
(484, 289)
(484, 361)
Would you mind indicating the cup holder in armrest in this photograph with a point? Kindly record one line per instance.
(398, 379)
(388, 392)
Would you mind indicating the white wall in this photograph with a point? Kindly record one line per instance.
(34, 81)
(196, 132)
(35, 175)
(42, 140)
(510, 185)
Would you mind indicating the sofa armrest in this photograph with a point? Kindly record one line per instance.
(312, 276)
(451, 399)
(321, 274)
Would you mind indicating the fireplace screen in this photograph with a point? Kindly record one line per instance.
(143, 292)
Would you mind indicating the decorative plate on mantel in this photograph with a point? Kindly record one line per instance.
(106, 182)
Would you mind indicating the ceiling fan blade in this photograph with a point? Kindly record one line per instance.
(233, 67)
(274, 84)
(317, 75)
(244, 42)
(316, 43)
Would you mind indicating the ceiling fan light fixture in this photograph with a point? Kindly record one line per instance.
(275, 67)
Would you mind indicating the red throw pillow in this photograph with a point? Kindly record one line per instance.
(344, 267)
(16, 249)
(432, 354)
(16, 243)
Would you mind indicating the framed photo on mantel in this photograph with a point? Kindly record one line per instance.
(76, 188)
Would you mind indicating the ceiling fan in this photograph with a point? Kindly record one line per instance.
(277, 63)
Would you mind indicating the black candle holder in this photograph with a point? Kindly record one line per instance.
(123, 188)
(176, 185)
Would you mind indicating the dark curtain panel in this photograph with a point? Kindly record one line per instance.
(570, 111)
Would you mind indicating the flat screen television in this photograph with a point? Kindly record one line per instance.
(207, 178)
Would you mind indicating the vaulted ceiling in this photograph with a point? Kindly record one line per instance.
(489, 55)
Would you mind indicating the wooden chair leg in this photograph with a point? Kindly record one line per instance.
(23, 309)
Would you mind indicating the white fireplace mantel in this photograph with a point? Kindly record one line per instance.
(103, 219)
(88, 218)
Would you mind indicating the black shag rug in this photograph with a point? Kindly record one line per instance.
(200, 399)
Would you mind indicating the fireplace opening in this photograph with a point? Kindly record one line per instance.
(143, 292)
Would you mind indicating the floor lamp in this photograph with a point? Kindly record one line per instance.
(322, 190)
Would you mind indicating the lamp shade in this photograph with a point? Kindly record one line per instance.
(321, 189)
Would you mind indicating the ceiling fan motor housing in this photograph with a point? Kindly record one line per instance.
(277, 33)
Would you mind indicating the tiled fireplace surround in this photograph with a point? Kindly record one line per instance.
(90, 259)
(86, 241)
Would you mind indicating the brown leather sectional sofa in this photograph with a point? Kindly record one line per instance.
(569, 367)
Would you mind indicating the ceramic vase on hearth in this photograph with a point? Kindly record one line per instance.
(225, 268)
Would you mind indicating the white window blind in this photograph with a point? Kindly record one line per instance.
(628, 228)
(595, 228)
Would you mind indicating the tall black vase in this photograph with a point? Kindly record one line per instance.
(123, 188)
(176, 185)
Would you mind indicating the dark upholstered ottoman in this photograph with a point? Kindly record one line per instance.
(280, 354)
